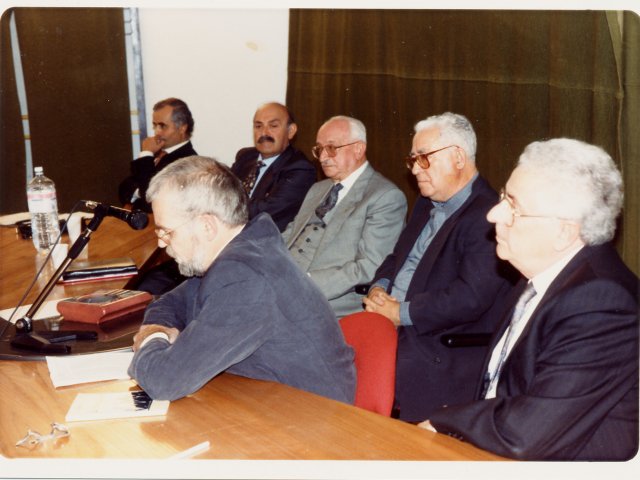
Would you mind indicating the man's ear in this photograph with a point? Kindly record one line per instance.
(568, 236)
(361, 149)
(292, 128)
(461, 158)
(210, 226)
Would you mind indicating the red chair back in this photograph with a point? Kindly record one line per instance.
(375, 342)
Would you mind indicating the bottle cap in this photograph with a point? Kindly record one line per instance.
(37, 170)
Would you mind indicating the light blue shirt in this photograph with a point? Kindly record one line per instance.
(267, 163)
(439, 214)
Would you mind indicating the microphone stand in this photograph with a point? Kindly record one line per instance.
(49, 342)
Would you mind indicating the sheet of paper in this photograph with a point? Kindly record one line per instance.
(92, 367)
(48, 309)
(102, 406)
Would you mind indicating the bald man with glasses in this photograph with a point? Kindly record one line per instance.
(443, 276)
(348, 222)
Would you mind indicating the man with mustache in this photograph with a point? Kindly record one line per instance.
(275, 175)
(172, 128)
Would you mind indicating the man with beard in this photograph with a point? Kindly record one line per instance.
(236, 312)
(275, 175)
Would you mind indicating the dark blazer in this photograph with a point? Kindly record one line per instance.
(282, 187)
(142, 170)
(452, 291)
(569, 388)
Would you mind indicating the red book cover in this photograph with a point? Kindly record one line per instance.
(103, 306)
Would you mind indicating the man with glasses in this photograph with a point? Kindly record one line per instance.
(276, 175)
(560, 381)
(348, 222)
(235, 313)
(443, 275)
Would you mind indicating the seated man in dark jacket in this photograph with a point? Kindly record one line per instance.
(560, 381)
(275, 175)
(172, 130)
(443, 276)
(246, 309)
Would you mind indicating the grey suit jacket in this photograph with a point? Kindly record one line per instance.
(361, 232)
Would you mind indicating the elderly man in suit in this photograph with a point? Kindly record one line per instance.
(348, 222)
(275, 175)
(560, 381)
(172, 128)
(443, 276)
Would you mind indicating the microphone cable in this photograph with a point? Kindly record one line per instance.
(75, 208)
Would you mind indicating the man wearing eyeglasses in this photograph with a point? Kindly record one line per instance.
(348, 222)
(235, 311)
(275, 174)
(443, 275)
(560, 381)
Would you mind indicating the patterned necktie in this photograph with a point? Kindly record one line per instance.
(250, 181)
(491, 378)
(329, 201)
(159, 157)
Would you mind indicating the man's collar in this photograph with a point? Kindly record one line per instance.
(353, 176)
(175, 147)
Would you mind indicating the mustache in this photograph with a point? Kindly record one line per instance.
(266, 138)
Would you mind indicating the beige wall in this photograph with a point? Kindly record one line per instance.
(222, 62)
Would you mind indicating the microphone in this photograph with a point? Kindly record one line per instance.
(137, 219)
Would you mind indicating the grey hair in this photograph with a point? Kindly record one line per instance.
(206, 187)
(456, 129)
(357, 130)
(585, 184)
(180, 114)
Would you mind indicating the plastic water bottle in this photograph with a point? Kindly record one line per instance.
(43, 207)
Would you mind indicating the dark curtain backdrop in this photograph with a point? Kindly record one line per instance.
(519, 76)
(75, 75)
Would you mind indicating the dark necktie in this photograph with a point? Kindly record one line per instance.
(329, 201)
(250, 180)
(491, 377)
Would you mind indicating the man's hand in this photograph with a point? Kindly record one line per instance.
(378, 296)
(152, 144)
(146, 330)
(379, 301)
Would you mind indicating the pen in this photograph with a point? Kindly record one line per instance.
(191, 452)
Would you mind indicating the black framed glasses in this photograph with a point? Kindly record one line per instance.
(423, 158)
(332, 150)
(515, 213)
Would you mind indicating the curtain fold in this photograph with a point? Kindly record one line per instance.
(519, 76)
